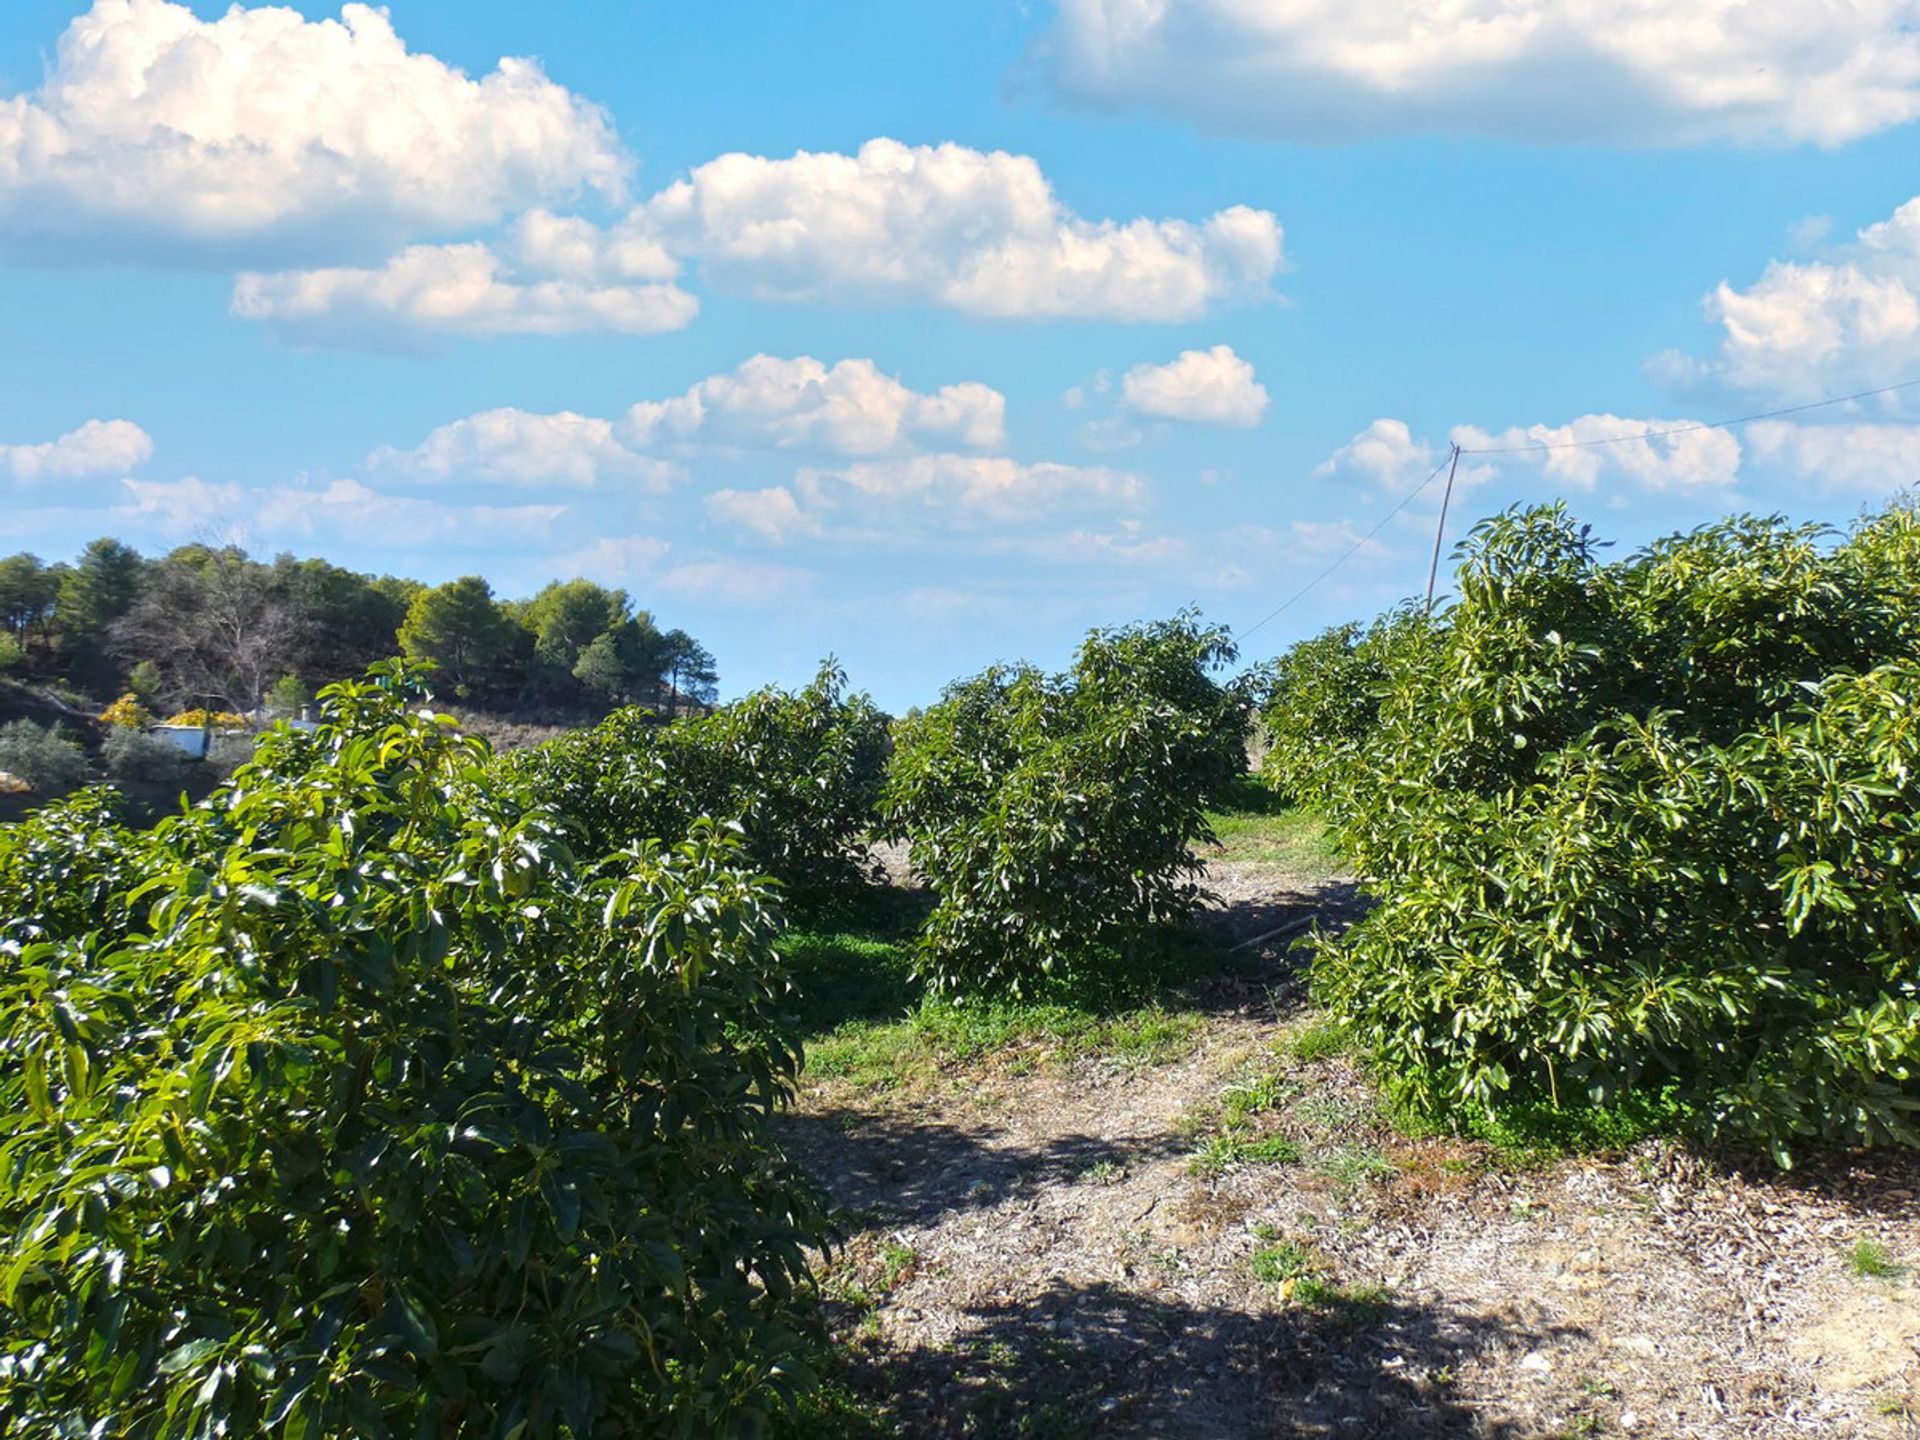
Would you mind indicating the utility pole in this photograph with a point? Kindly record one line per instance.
(1440, 532)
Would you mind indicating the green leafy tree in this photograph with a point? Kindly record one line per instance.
(345, 1105)
(798, 772)
(28, 594)
(462, 630)
(689, 670)
(602, 669)
(1645, 826)
(94, 594)
(1055, 816)
(288, 695)
(346, 621)
(144, 682)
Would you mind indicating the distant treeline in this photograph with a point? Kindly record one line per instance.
(210, 626)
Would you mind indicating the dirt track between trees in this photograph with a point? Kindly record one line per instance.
(1040, 1248)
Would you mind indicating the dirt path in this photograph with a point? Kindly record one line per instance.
(1092, 1248)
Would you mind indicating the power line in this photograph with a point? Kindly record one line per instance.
(1405, 501)
(1456, 452)
(1690, 429)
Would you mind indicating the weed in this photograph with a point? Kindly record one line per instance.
(1257, 1095)
(1894, 1405)
(1284, 1261)
(1229, 1151)
(1316, 1040)
(1869, 1259)
(897, 1263)
(1103, 1172)
(1351, 1166)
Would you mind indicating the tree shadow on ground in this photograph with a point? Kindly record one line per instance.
(1332, 905)
(855, 964)
(883, 1170)
(1881, 1184)
(1100, 1360)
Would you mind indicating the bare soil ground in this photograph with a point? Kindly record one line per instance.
(1232, 1242)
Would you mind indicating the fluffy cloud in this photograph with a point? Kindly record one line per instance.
(97, 448)
(974, 231)
(265, 130)
(614, 559)
(516, 447)
(1387, 456)
(1872, 460)
(849, 408)
(1204, 387)
(772, 514)
(766, 403)
(1656, 72)
(888, 499)
(1805, 329)
(1384, 455)
(980, 232)
(466, 289)
(1690, 460)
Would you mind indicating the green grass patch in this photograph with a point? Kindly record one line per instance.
(865, 1017)
(1317, 1039)
(1230, 1151)
(1871, 1260)
(1351, 1166)
(1287, 1260)
(1251, 824)
(1528, 1134)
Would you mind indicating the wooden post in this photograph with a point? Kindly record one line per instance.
(1440, 531)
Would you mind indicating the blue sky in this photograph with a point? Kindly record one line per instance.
(1068, 315)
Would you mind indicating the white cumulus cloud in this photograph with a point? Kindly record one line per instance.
(1203, 387)
(1647, 72)
(1385, 455)
(1646, 454)
(848, 408)
(464, 289)
(1389, 457)
(264, 131)
(885, 500)
(767, 403)
(1807, 328)
(97, 448)
(976, 231)
(772, 514)
(517, 447)
(1872, 460)
(969, 230)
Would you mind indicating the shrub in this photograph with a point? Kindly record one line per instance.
(798, 772)
(344, 1105)
(126, 713)
(1054, 816)
(136, 758)
(12, 657)
(1649, 826)
(47, 761)
(209, 719)
(144, 681)
(288, 695)
(1321, 700)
